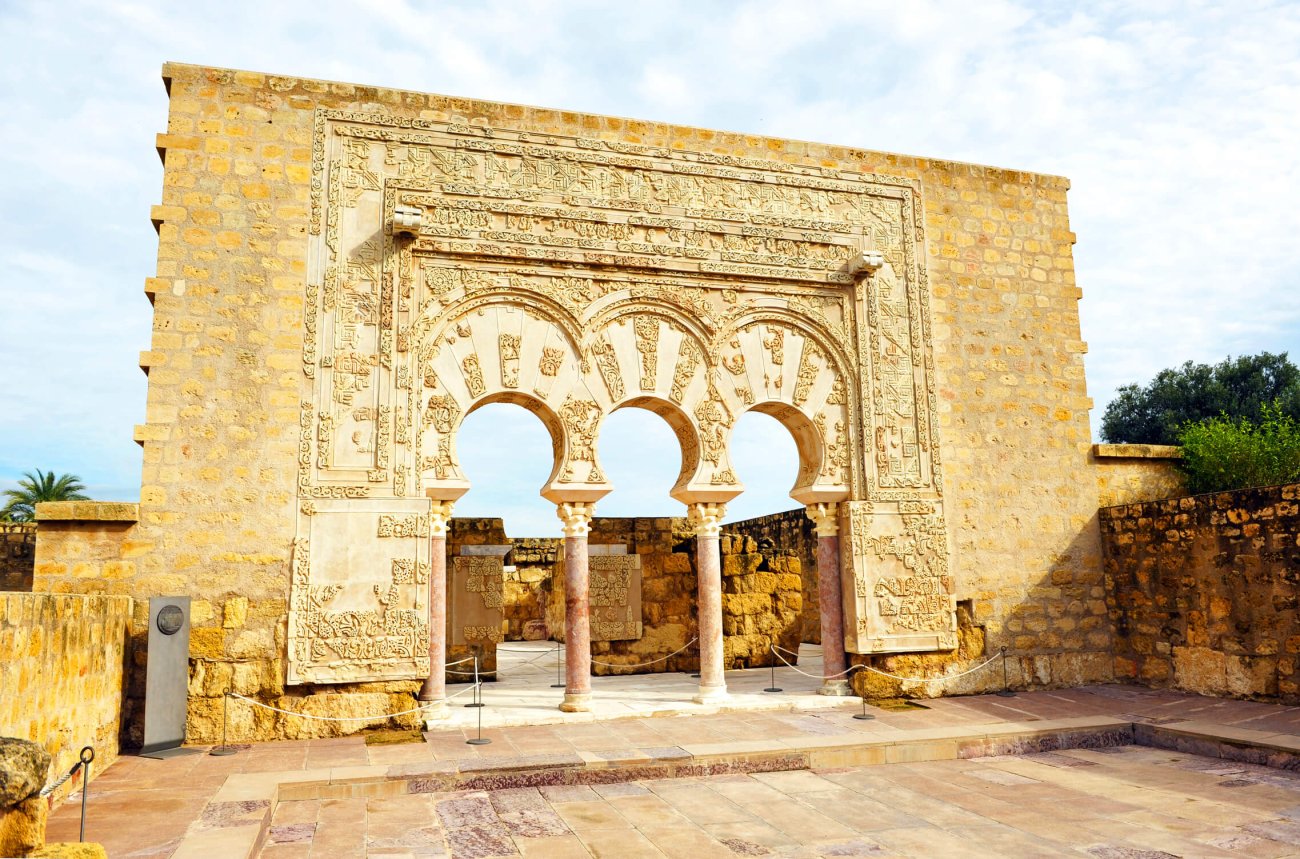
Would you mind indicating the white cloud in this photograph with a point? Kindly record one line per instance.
(1175, 121)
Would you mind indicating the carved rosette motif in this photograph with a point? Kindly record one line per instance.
(452, 264)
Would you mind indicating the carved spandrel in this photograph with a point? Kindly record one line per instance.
(476, 604)
(614, 597)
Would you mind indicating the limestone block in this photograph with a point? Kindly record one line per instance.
(70, 850)
(24, 766)
(22, 826)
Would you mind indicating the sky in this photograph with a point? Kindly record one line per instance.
(1178, 125)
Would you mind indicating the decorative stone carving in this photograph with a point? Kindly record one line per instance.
(706, 518)
(614, 595)
(776, 286)
(576, 516)
(476, 604)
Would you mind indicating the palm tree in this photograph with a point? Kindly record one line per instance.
(37, 488)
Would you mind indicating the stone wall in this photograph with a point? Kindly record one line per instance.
(62, 675)
(238, 350)
(1133, 473)
(789, 535)
(528, 586)
(17, 555)
(1203, 592)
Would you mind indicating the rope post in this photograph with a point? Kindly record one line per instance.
(773, 688)
(478, 740)
(224, 749)
(1006, 685)
(864, 715)
(87, 755)
(559, 668)
(478, 688)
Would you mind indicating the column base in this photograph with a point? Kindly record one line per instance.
(711, 695)
(435, 712)
(837, 688)
(576, 702)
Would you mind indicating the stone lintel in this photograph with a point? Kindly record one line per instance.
(88, 511)
(1137, 451)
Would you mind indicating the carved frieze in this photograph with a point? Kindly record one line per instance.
(614, 597)
(475, 603)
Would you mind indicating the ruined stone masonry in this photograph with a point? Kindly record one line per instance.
(346, 272)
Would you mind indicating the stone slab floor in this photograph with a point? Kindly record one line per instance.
(142, 808)
(1119, 803)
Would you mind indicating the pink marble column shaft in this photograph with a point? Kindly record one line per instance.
(830, 599)
(577, 613)
(577, 618)
(708, 566)
(435, 685)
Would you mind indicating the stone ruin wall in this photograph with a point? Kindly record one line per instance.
(61, 680)
(789, 535)
(219, 507)
(1204, 592)
(17, 555)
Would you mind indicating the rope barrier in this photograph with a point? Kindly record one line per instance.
(61, 780)
(257, 703)
(777, 647)
(641, 664)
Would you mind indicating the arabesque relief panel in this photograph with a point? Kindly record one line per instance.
(455, 265)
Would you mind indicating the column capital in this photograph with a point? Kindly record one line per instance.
(440, 518)
(707, 518)
(826, 518)
(576, 516)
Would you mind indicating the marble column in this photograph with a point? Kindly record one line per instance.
(707, 519)
(576, 517)
(435, 686)
(830, 597)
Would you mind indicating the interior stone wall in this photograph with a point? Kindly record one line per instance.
(528, 586)
(17, 555)
(232, 422)
(1203, 592)
(789, 534)
(61, 681)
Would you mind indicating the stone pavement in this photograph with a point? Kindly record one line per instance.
(231, 806)
(1119, 802)
(522, 693)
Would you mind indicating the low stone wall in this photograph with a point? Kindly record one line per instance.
(62, 675)
(1132, 473)
(528, 586)
(789, 535)
(1203, 592)
(17, 555)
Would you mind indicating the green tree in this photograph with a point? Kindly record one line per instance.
(1235, 453)
(1238, 388)
(38, 488)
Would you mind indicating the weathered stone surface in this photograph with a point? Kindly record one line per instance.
(1202, 592)
(62, 672)
(17, 555)
(24, 766)
(22, 826)
(70, 850)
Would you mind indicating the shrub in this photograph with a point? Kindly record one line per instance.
(1234, 453)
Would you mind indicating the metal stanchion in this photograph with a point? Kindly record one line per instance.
(864, 715)
(1006, 685)
(87, 755)
(559, 670)
(773, 687)
(478, 689)
(224, 749)
(478, 740)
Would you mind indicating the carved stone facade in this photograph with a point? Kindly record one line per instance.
(345, 273)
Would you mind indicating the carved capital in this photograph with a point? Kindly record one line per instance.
(439, 518)
(826, 518)
(576, 516)
(707, 518)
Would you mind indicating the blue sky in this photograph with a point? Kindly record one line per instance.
(1177, 123)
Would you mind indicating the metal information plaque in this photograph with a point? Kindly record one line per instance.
(168, 674)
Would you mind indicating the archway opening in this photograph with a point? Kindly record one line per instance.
(642, 458)
(506, 453)
(766, 460)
